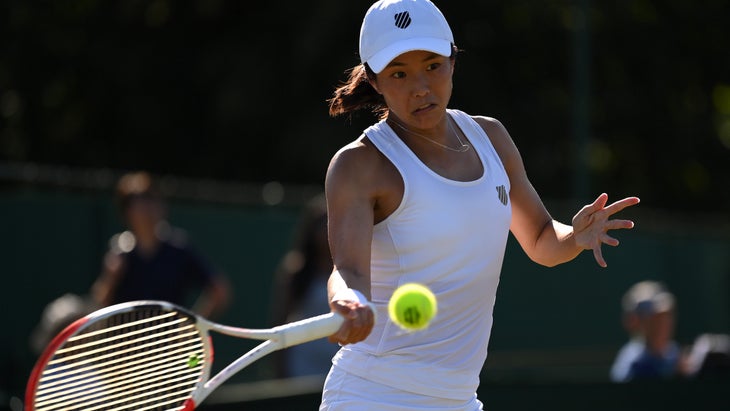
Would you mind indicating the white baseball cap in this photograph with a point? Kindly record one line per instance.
(393, 27)
(648, 297)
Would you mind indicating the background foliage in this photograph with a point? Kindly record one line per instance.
(632, 99)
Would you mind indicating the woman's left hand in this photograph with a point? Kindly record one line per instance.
(592, 222)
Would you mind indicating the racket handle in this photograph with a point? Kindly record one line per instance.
(310, 329)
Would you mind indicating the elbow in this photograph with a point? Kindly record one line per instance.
(549, 247)
(549, 260)
(546, 262)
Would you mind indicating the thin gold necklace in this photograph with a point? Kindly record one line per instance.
(461, 149)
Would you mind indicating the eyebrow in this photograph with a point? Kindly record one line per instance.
(430, 56)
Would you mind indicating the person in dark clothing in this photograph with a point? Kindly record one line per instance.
(153, 260)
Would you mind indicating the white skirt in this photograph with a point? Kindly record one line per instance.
(346, 392)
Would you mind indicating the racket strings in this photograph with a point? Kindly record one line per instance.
(80, 375)
(105, 343)
(149, 395)
(129, 347)
(111, 328)
(144, 359)
(136, 371)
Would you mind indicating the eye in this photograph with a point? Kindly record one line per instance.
(433, 66)
(398, 74)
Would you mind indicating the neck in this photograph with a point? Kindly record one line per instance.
(449, 134)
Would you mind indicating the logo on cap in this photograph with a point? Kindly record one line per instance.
(402, 20)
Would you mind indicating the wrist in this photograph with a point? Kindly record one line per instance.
(350, 294)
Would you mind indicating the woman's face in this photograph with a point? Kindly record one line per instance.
(417, 87)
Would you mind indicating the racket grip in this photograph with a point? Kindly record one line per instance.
(309, 329)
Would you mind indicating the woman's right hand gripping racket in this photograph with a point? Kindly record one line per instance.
(148, 355)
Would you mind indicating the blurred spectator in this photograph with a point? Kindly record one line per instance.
(649, 318)
(153, 260)
(56, 316)
(300, 291)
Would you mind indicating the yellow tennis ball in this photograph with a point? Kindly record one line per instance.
(412, 306)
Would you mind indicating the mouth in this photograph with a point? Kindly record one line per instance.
(424, 107)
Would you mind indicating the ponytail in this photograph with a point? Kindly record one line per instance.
(357, 94)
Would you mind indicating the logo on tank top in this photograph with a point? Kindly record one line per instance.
(502, 194)
(402, 20)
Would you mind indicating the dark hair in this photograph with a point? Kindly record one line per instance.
(356, 93)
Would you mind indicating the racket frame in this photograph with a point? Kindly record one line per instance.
(274, 339)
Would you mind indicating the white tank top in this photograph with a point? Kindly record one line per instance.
(451, 236)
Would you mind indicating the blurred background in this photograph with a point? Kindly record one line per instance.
(225, 102)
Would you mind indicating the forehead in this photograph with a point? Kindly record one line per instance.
(414, 57)
(143, 199)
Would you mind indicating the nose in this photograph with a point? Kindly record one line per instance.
(420, 86)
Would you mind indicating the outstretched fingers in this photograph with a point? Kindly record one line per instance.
(597, 204)
(619, 224)
(619, 205)
(593, 224)
(598, 255)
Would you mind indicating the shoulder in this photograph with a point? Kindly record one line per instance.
(493, 127)
(358, 161)
(489, 122)
(501, 141)
(360, 176)
(358, 150)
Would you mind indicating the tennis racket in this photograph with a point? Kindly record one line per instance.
(148, 355)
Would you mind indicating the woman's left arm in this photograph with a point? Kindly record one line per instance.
(547, 241)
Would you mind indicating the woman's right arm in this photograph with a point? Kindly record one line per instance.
(351, 192)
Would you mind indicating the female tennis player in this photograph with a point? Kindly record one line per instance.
(428, 194)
